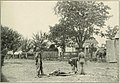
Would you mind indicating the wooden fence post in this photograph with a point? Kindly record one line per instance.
(26, 55)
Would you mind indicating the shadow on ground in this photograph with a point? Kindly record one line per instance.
(13, 63)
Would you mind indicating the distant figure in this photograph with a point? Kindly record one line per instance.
(104, 54)
(101, 54)
(59, 52)
(73, 63)
(38, 58)
(81, 59)
(3, 54)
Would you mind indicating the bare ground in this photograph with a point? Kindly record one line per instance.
(22, 70)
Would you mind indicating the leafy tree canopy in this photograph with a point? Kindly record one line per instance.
(39, 41)
(10, 39)
(80, 18)
(110, 32)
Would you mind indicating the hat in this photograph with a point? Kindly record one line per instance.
(81, 49)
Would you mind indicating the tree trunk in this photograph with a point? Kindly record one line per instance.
(79, 41)
(80, 45)
(63, 47)
(63, 42)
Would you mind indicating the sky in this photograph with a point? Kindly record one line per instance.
(28, 17)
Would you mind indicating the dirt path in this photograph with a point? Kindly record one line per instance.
(25, 70)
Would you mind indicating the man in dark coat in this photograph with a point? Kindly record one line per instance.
(73, 63)
(38, 58)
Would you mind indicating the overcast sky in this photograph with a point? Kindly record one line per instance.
(28, 17)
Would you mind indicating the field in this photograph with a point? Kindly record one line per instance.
(22, 70)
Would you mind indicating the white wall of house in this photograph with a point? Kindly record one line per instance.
(117, 45)
(70, 49)
(117, 48)
(111, 53)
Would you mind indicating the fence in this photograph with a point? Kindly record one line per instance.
(53, 55)
(68, 55)
(48, 55)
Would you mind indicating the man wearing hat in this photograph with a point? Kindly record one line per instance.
(81, 60)
(38, 58)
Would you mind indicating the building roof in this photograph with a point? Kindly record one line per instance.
(93, 41)
(90, 41)
(86, 44)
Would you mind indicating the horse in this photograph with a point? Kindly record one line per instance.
(10, 54)
(18, 53)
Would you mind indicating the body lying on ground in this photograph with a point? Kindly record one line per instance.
(59, 73)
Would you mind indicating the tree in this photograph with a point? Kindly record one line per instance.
(110, 32)
(10, 39)
(26, 44)
(81, 17)
(39, 40)
(59, 34)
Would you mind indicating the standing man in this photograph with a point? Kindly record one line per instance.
(81, 59)
(59, 52)
(38, 58)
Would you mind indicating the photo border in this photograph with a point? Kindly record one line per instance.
(63, 0)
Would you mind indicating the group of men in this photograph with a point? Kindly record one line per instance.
(81, 59)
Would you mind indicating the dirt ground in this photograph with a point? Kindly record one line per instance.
(22, 70)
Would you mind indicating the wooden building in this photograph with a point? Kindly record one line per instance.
(112, 48)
